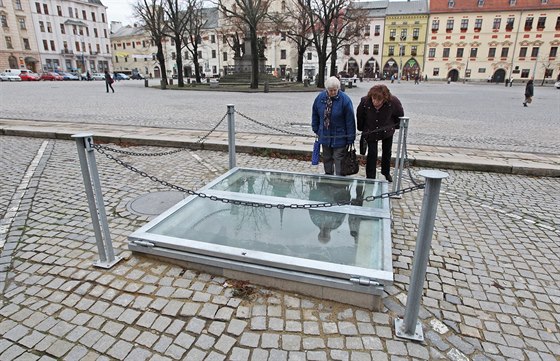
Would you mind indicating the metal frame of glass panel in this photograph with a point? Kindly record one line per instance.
(197, 229)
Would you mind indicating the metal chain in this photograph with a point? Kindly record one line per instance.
(273, 128)
(311, 136)
(127, 152)
(252, 204)
(407, 162)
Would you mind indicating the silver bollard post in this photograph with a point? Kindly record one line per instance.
(399, 159)
(231, 135)
(410, 328)
(107, 259)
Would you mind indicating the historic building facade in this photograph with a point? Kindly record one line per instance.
(71, 35)
(364, 58)
(404, 39)
(496, 40)
(133, 50)
(18, 45)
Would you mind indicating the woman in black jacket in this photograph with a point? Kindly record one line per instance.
(528, 92)
(378, 117)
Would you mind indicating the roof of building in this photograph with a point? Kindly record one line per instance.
(212, 15)
(407, 7)
(97, 2)
(373, 8)
(443, 6)
(128, 31)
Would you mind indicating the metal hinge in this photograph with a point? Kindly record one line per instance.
(142, 243)
(364, 281)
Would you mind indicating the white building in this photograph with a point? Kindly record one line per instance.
(71, 35)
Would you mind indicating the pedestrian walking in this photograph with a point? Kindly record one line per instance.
(109, 81)
(529, 91)
(334, 124)
(378, 117)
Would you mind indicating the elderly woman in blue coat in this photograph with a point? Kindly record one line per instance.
(334, 123)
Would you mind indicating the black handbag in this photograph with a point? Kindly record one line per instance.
(350, 163)
(363, 145)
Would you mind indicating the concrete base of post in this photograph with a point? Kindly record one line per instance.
(400, 332)
(107, 265)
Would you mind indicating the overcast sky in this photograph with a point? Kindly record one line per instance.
(119, 10)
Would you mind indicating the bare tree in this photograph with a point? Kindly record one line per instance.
(193, 32)
(151, 14)
(322, 14)
(176, 22)
(346, 30)
(294, 23)
(251, 13)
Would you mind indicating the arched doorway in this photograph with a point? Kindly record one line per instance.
(352, 67)
(453, 75)
(157, 72)
(390, 68)
(371, 69)
(31, 63)
(410, 69)
(499, 76)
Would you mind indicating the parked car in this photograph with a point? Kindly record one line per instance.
(121, 76)
(557, 85)
(51, 76)
(137, 76)
(9, 77)
(29, 76)
(68, 76)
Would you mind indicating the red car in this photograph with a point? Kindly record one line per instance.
(28, 76)
(51, 76)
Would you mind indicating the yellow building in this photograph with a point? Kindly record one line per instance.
(133, 51)
(404, 39)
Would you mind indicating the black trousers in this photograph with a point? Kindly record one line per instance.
(371, 162)
(109, 85)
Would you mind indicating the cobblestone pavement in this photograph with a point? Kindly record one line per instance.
(457, 115)
(492, 290)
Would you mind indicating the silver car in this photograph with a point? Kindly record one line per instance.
(9, 77)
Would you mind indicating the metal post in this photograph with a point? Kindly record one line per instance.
(231, 135)
(107, 259)
(399, 159)
(410, 327)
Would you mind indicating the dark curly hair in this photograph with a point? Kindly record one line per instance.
(379, 91)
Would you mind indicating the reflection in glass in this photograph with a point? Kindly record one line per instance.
(261, 229)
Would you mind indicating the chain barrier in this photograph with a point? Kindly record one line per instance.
(309, 135)
(407, 162)
(127, 152)
(153, 178)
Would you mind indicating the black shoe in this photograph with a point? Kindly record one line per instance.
(524, 104)
(388, 178)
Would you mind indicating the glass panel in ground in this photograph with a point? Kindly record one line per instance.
(312, 234)
(302, 186)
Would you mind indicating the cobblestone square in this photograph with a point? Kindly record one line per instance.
(492, 290)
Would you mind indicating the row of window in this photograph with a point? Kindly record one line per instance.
(510, 21)
(480, 3)
(10, 45)
(403, 34)
(72, 12)
(492, 52)
(75, 29)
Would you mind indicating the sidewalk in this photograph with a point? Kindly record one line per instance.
(420, 155)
